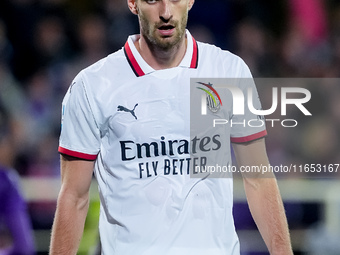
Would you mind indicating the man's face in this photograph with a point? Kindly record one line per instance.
(163, 22)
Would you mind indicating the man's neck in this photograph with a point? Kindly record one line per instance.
(159, 58)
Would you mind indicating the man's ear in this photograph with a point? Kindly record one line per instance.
(133, 6)
(191, 3)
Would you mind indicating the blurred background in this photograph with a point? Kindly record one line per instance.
(45, 43)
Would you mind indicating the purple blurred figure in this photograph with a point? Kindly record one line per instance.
(15, 227)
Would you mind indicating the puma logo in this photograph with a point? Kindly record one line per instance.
(124, 109)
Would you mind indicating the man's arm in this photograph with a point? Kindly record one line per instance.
(72, 205)
(264, 198)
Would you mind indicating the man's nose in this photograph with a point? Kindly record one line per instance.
(165, 12)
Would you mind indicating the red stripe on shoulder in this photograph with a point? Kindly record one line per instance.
(248, 138)
(77, 154)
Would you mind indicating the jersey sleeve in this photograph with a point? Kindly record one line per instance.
(80, 135)
(248, 126)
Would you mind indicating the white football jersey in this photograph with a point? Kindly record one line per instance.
(135, 122)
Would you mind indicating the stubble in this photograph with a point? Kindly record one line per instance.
(154, 41)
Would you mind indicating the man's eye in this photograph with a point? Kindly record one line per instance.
(151, 1)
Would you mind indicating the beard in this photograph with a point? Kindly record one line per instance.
(156, 41)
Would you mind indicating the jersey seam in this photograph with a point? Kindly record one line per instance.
(88, 101)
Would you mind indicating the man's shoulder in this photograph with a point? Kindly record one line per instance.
(214, 55)
(207, 49)
(112, 67)
(111, 61)
(107, 73)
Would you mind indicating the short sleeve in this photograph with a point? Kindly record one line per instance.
(80, 135)
(248, 126)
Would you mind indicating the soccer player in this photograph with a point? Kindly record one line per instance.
(127, 118)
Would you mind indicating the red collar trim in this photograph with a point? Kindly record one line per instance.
(194, 60)
(136, 68)
(132, 61)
